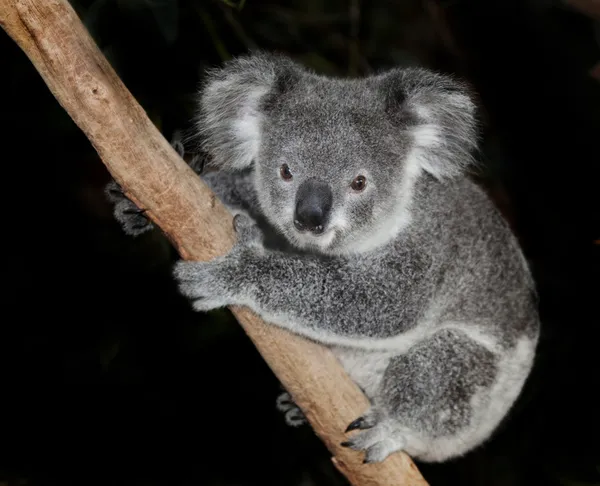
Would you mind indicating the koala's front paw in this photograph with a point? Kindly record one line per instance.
(220, 282)
(132, 219)
(293, 415)
(204, 283)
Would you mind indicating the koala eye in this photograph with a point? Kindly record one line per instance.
(285, 172)
(359, 183)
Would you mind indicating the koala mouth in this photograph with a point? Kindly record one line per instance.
(313, 206)
(321, 242)
(315, 230)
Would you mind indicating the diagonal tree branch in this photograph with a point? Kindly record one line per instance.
(155, 177)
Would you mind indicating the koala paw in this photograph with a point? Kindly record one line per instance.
(132, 219)
(293, 416)
(202, 283)
(248, 232)
(220, 282)
(378, 438)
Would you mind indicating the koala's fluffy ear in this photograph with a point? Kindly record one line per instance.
(439, 111)
(233, 102)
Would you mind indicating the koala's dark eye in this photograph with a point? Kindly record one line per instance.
(285, 172)
(359, 183)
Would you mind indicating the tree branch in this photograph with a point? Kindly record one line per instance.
(155, 177)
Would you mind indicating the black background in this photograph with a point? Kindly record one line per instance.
(107, 377)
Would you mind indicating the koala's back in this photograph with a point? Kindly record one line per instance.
(481, 276)
(484, 276)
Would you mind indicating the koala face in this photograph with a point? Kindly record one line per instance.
(328, 171)
(335, 159)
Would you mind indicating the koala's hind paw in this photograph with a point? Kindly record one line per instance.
(293, 416)
(132, 219)
(377, 439)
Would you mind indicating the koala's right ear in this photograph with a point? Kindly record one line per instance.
(233, 103)
(442, 112)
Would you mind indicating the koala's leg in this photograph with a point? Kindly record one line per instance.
(427, 398)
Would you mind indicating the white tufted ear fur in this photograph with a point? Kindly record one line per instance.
(440, 113)
(231, 102)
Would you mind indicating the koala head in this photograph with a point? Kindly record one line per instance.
(335, 160)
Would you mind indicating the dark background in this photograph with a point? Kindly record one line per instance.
(107, 377)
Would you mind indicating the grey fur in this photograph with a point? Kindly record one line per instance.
(417, 283)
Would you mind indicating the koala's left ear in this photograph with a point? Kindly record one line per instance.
(439, 112)
(232, 105)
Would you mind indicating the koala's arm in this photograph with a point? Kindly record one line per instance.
(333, 300)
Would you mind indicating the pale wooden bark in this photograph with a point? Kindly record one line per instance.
(155, 177)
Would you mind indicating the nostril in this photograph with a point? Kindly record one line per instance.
(317, 230)
(299, 226)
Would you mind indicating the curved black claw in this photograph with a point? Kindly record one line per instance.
(141, 212)
(359, 423)
(198, 162)
(115, 192)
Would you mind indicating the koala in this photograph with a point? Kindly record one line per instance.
(359, 227)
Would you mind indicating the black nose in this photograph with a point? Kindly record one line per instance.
(313, 204)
